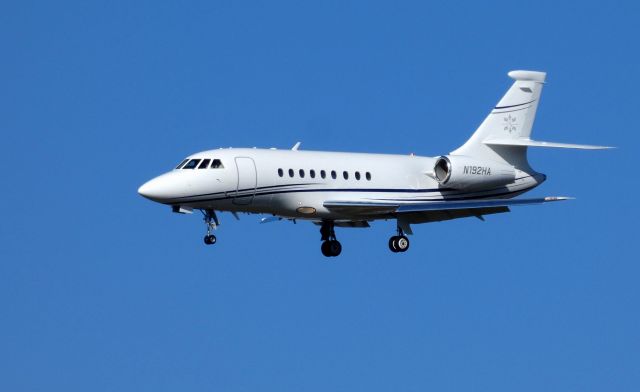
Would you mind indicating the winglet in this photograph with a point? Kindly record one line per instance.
(270, 219)
(558, 198)
(296, 146)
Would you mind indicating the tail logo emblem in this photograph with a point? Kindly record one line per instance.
(510, 124)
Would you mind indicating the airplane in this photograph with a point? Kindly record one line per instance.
(341, 189)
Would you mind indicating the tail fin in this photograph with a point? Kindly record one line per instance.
(511, 118)
(505, 134)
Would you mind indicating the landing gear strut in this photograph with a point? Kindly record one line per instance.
(399, 243)
(330, 245)
(211, 220)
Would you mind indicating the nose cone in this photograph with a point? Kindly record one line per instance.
(146, 189)
(159, 189)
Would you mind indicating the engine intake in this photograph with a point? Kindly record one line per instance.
(460, 172)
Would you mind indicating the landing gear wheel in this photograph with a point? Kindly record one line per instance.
(402, 243)
(330, 245)
(325, 249)
(393, 244)
(331, 248)
(335, 248)
(211, 220)
(210, 239)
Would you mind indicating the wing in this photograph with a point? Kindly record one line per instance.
(435, 210)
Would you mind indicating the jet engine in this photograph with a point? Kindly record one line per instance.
(461, 172)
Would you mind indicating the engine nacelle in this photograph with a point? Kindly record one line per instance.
(460, 172)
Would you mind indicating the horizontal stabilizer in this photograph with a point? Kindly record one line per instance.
(534, 143)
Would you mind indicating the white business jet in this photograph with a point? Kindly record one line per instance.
(338, 189)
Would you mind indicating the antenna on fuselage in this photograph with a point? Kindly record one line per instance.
(296, 146)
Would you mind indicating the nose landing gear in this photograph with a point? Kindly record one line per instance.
(211, 220)
(399, 243)
(331, 247)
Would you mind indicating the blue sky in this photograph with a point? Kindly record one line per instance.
(103, 290)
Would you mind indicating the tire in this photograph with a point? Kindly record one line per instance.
(402, 244)
(210, 239)
(393, 246)
(335, 248)
(325, 248)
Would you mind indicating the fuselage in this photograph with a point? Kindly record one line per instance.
(296, 184)
(336, 189)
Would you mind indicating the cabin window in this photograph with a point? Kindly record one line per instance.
(312, 173)
(182, 163)
(345, 175)
(217, 164)
(358, 176)
(323, 174)
(291, 173)
(204, 164)
(333, 174)
(280, 172)
(301, 172)
(192, 164)
(368, 175)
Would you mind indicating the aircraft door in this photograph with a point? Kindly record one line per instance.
(247, 181)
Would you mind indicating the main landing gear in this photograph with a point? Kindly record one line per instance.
(330, 245)
(399, 243)
(211, 220)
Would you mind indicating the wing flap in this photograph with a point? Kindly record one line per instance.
(443, 215)
(360, 207)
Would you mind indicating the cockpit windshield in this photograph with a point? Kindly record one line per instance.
(200, 164)
(192, 164)
(181, 164)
